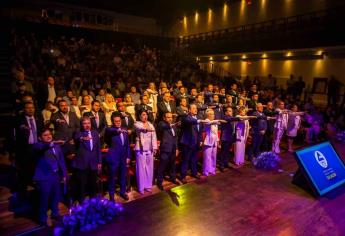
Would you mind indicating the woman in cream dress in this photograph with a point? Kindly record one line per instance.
(145, 149)
(211, 143)
(242, 132)
(108, 107)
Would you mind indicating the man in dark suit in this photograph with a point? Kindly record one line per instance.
(50, 168)
(127, 120)
(47, 92)
(268, 137)
(191, 141)
(167, 134)
(166, 106)
(27, 128)
(118, 156)
(143, 106)
(233, 92)
(65, 124)
(217, 107)
(259, 127)
(252, 103)
(201, 106)
(88, 160)
(227, 137)
(97, 117)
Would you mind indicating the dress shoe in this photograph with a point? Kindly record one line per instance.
(160, 186)
(124, 196)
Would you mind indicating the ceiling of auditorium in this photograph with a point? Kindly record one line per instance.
(164, 11)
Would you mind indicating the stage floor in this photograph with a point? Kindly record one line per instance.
(242, 201)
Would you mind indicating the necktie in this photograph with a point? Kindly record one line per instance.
(97, 119)
(126, 119)
(122, 139)
(172, 131)
(33, 129)
(168, 107)
(90, 141)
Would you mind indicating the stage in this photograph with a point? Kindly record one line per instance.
(242, 201)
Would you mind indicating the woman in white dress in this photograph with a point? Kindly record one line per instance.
(130, 108)
(242, 132)
(145, 149)
(108, 107)
(210, 144)
(294, 122)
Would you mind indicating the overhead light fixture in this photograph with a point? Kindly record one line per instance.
(244, 56)
(264, 55)
(289, 54)
(226, 58)
(211, 58)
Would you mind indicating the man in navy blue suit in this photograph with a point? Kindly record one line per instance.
(191, 141)
(118, 156)
(88, 160)
(167, 134)
(227, 137)
(27, 128)
(259, 127)
(50, 168)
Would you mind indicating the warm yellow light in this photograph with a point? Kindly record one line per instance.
(211, 58)
(320, 52)
(185, 25)
(264, 55)
(263, 3)
(197, 58)
(225, 12)
(289, 54)
(196, 17)
(243, 5)
(226, 58)
(209, 17)
(244, 56)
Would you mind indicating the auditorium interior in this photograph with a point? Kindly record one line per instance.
(184, 117)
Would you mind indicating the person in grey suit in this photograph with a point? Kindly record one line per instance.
(50, 169)
(88, 160)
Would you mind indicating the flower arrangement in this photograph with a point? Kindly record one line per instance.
(88, 215)
(267, 161)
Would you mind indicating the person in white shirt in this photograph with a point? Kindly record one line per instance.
(280, 126)
(51, 89)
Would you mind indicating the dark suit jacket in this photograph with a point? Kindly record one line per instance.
(168, 141)
(124, 124)
(260, 123)
(201, 110)
(42, 95)
(252, 105)
(65, 131)
(227, 129)
(117, 152)
(48, 162)
(191, 135)
(102, 121)
(85, 157)
(163, 109)
(140, 107)
(235, 96)
(270, 123)
(23, 131)
(218, 110)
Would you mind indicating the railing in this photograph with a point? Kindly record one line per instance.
(310, 20)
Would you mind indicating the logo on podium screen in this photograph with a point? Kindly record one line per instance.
(321, 159)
